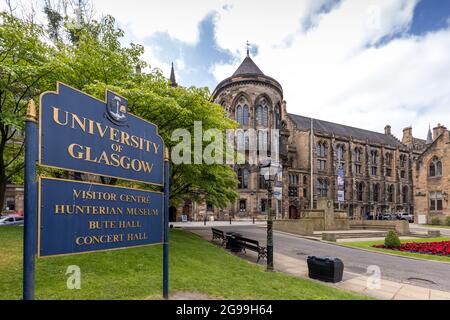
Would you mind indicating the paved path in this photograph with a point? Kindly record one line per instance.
(404, 271)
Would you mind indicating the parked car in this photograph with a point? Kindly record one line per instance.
(405, 216)
(11, 221)
(388, 216)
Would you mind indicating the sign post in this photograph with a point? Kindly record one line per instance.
(31, 203)
(166, 227)
(80, 133)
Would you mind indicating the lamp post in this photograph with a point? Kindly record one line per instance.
(268, 178)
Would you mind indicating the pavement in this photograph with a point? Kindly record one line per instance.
(401, 278)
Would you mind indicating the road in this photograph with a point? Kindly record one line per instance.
(429, 274)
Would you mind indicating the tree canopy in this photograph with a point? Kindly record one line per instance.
(90, 57)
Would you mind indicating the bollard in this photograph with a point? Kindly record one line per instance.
(253, 219)
(230, 220)
(204, 221)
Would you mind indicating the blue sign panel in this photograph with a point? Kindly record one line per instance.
(83, 134)
(77, 217)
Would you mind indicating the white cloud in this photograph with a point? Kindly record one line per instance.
(330, 71)
(333, 73)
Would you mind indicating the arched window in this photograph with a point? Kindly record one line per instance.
(432, 170)
(360, 190)
(245, 116)
(357, 155)
(322, 150)
(240, 178)
(376, 192)
(439, 168)
(245, 179)
(266, 116)
(374, 162)
(388, 164)
(391, 191)
(405, 196)
(259, 116)
(262, 113)
(239, 114)
(322, 188)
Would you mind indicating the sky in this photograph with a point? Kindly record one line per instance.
(363, 63)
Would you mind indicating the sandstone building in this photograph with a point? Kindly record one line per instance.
(431, 176)
(377, 168)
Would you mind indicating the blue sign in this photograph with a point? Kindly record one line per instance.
(81, 133)
(77, 217)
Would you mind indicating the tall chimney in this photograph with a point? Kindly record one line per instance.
(440, 129)
(387, 130)
(407, 136)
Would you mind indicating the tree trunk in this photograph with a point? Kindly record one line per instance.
(3, 183)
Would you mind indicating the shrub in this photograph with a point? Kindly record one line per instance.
(435, 221)
(447, 221)
(392, 240)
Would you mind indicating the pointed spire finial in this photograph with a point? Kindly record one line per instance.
(248, 49)
(430, 135)
(173, 81)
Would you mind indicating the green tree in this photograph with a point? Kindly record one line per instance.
(152, 98)
(25, 71)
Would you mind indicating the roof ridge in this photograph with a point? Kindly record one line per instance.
(378, 134)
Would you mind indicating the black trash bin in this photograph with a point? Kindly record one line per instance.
(326, 269)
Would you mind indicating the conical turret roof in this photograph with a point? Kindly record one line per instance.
(248, 66)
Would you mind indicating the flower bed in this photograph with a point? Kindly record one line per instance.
(433, 248)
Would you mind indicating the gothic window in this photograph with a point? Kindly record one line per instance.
(239, 114)
(357, 155)
(376, 192)
(340, 156)
(259, 116)
(360, 191)
(405, 196)
(293, 185)
(403, 160)
(388, 164)
(262, 113)
(322, 188)
(245, 116)
(391, 192)
(439, 168)
(374, 162)
(435, 168)
(432, 170)
(322, 149)
(243, 178)
(266, 116)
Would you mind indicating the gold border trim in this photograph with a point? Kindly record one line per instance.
(58, 83)
(90, 251)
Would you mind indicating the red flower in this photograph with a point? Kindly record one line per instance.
(435, 248)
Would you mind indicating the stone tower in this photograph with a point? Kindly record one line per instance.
(255, 101)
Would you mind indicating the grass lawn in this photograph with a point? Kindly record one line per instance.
(195, 266)
(368, 245)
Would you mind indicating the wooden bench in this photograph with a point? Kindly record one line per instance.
(252, 245)
(219, 235)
